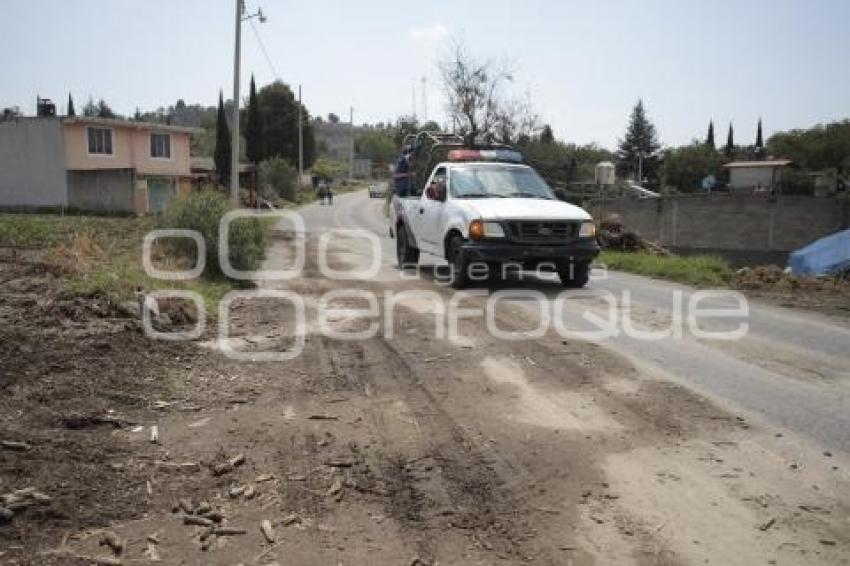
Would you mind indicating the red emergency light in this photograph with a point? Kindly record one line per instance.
(485, 155)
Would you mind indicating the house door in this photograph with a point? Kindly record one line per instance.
(160, 192)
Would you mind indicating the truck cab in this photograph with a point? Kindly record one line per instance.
(485, 209)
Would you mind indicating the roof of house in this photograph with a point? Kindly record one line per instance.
(119, 123)
(756, 164)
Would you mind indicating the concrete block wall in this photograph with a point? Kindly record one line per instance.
(728, 222)
(32, 163)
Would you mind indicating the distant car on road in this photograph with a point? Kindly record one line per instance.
(378, 190)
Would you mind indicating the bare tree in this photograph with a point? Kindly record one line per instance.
(515, 120)
(474, 92)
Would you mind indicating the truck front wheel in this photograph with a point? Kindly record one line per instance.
(406, 253)
(458, 263)
(574, 274)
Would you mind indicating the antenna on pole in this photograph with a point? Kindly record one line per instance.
(424, 99)
(300, 138)
(351, 148)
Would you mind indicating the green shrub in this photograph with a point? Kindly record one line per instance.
(277, 178)
(202, 211)
(328, 170)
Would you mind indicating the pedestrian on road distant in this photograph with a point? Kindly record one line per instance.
(330, 194)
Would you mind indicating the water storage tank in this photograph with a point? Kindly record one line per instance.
(605, 174)
(44, 107)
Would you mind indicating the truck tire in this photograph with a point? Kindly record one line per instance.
(459, 265)
(405, 253)
(574, 275)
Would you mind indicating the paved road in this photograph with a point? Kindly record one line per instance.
(790, 371)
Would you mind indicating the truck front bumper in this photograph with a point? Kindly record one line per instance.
(582, 250)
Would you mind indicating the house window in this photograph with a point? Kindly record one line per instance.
(100, 140)
(161, 146)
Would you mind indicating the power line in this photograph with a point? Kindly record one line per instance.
(263, 49)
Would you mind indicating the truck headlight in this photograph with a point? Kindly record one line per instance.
(587, 230)
(478, 229)
(493, 230)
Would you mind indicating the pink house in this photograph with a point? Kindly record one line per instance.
(149, 163)
(93, 164)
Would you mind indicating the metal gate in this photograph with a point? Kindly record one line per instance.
(160, 191)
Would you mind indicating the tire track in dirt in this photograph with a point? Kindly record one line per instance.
(474, 486)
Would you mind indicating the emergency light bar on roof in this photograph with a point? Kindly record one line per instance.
(485, 155)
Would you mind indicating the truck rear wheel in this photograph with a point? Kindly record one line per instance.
(405, 253)
(574, 275)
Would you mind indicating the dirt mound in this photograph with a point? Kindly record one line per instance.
(828, 294)
(615, 235)
(774, 278)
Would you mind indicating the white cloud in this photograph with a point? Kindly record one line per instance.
(429, 36)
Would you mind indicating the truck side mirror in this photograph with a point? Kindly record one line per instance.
(440, 191)
(436, 191)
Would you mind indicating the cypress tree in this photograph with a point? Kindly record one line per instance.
(71, 111)
(730, 142)
(759, 141)
(709, 138)
(222, 144)
(639, 143)
(253, 127)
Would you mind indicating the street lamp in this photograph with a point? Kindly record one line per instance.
(641, 157)
(234, 134)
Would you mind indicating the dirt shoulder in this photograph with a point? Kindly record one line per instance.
(402, 449)
(767, 283)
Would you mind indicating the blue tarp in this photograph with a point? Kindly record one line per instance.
(823, 257)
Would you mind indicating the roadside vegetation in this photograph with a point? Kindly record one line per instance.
(697, 270)
(102, 256)
(247, 240)
(96, 255)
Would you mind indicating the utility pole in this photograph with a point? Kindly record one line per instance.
(300, 139)
(234, 127)
(351, 148)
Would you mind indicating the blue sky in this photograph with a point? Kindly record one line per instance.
(583, 64)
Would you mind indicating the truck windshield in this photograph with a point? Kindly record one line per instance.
(495, 181)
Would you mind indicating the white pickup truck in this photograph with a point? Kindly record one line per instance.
(484, 209)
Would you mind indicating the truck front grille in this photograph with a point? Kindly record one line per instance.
(543, 232)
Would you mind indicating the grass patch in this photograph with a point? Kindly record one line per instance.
(122, 276)
(19, 230)
(697, 270)
(102, 256)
